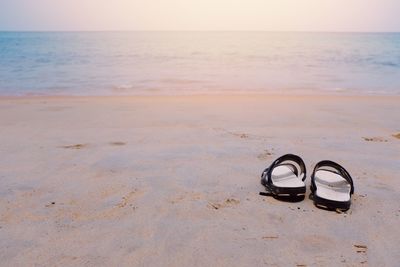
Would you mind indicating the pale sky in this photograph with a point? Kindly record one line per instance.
(264, 15)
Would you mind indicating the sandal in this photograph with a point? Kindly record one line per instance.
(331, 186)
(285, 176)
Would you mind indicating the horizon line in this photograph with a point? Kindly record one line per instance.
(272, 31)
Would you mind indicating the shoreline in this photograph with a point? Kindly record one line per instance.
(236, 92)
(201, 95)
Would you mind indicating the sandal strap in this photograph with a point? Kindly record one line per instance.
(285, 160)
(340, 170)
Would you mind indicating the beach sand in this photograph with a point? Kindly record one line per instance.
(175, 180)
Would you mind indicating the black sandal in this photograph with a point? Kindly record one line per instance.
(331, 186)
(285, 176)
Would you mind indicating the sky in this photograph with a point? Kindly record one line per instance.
(231, 15)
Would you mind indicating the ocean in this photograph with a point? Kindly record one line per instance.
(146, 63)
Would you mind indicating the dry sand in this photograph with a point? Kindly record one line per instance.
(174, 181)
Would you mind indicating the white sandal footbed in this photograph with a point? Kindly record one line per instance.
(284, 176)
(331, 186)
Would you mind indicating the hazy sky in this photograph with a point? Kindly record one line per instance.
(275, 15)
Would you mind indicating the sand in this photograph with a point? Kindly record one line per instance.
(174, 181)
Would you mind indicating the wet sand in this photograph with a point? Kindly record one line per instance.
(174, 181)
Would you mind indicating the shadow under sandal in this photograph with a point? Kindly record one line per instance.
(285, 177)
(331, 186)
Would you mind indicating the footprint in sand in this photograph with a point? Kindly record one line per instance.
(117, 143)
(188, 196)
(229, 202)
(241, 135)
(94, 210)
(76, 146)
(360, 248)
(375, 139)
(265, 155)
(80, 146)
(128, 198)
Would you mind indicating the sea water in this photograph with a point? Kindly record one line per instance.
(136, 63)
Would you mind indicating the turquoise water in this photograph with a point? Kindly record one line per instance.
(130, 63)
